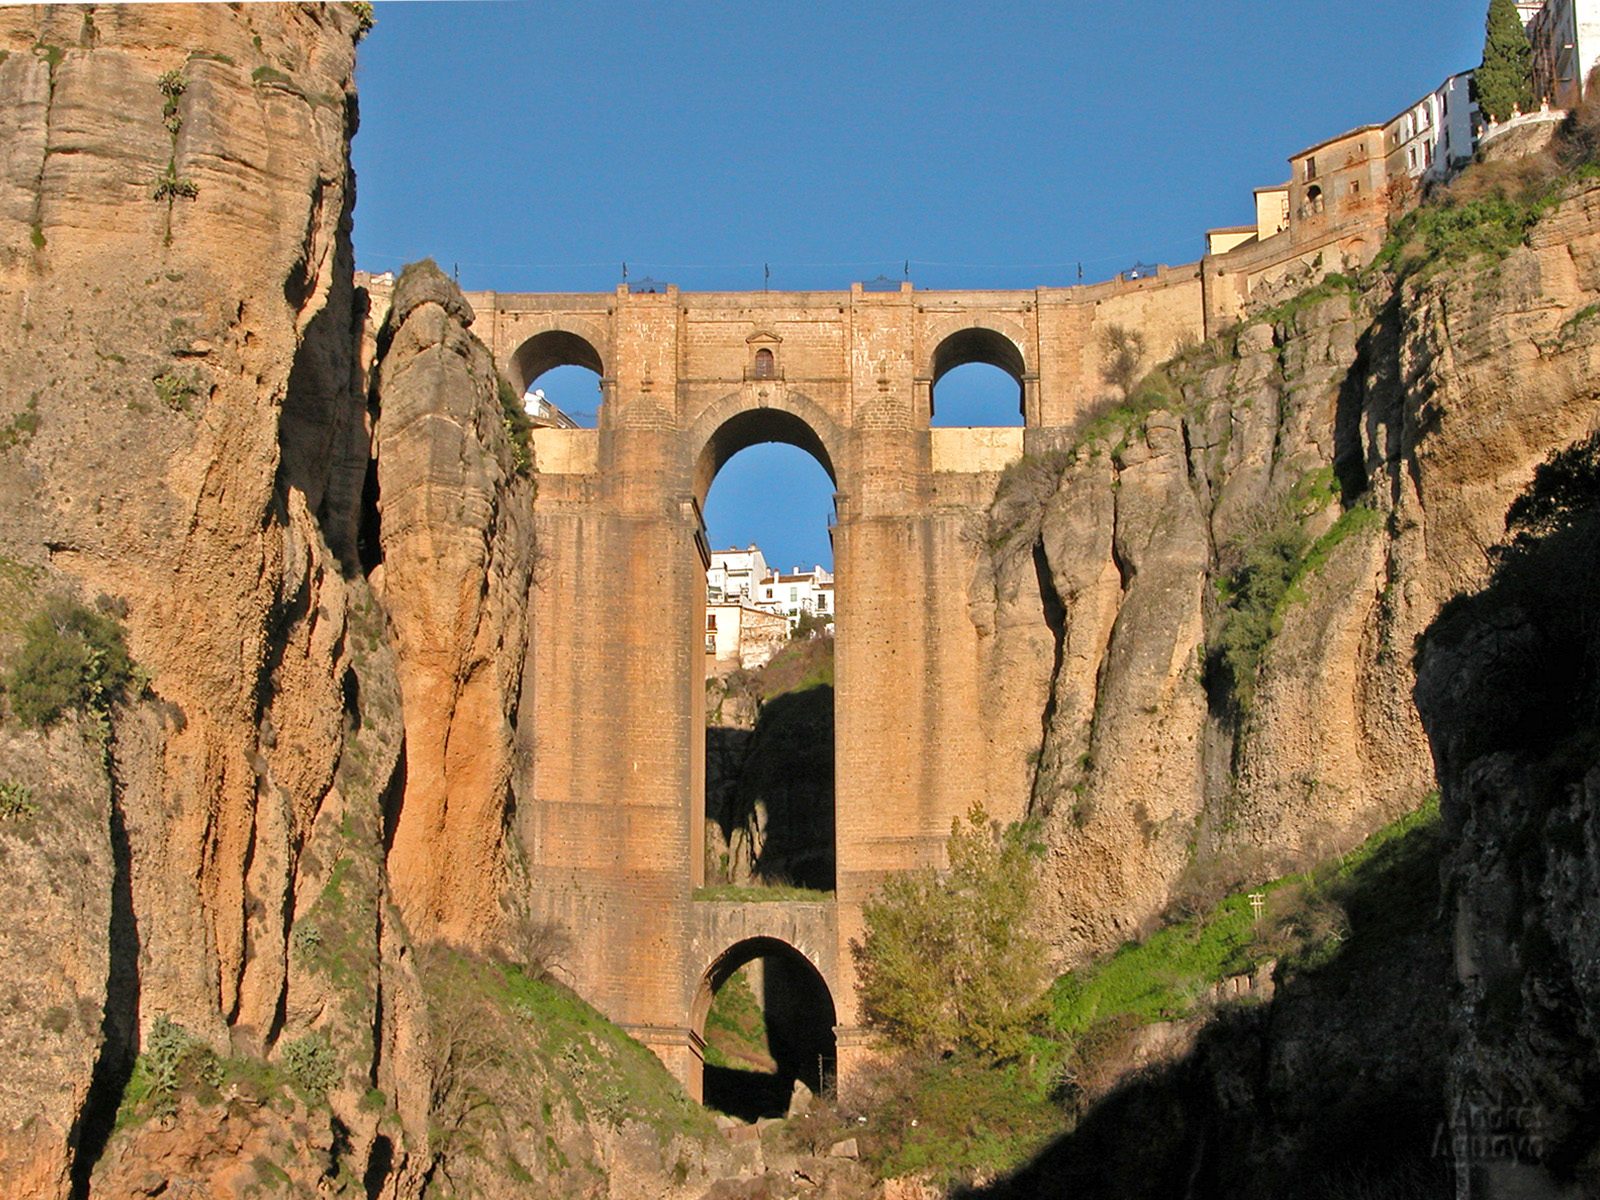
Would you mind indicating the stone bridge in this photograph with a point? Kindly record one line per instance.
(615, 824)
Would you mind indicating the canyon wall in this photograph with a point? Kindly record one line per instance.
(239, 872)
(1363, 441)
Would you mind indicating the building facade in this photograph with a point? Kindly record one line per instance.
(1565, 35)
(735, 575)
(743, 635)
(799, 593)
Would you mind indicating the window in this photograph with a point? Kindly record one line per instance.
(764, 366)
(1311, 167)
(794, 595)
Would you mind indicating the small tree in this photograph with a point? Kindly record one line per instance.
(1124, 357)
(946, 959)
(1505, 80)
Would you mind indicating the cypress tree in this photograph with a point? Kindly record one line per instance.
(1505, 80)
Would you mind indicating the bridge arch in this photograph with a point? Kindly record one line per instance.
(800, 1013)
(549, 349)
(734, 424)
(983, 344)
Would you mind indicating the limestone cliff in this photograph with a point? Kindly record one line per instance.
(457, 545)
(231, 879)
(181, 378)
(1363, 441)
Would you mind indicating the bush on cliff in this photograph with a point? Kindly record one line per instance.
(946, 961)
(71, 658)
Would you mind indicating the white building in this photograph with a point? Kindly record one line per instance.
(1566, 45)
(798, 593)
(744, 635)
(1433, 138)
(735, 574)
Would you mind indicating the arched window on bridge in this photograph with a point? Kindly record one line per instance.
(767, 1019)
(977, 380)
(557, 374)
(768, 679)
(764, 367)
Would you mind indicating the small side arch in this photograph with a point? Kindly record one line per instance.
(979, 344)
(548, 350)
(799, 1013)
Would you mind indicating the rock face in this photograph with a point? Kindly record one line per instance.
(182, 381)
(235, 876)
(1386, 428)
(457, 543)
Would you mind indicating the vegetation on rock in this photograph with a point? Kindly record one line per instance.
(71, 658)
(946, 960)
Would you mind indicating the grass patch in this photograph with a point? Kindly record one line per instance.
(533, 1042)
(954, 1119)
(961, 1116)
(755, 892)
(20, 429)
(1329, 286)
(1168, 975)
(736, 1027)
(1351, 522)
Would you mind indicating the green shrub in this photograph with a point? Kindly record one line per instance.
(946, 960)
(71, 658)
(519, 429)
(169, 186)
(16, 801)
(172, 1058)
(21, 427)
(175, 392)
(1267, 558)
(311, 1065)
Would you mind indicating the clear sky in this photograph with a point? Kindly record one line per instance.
(538, 146)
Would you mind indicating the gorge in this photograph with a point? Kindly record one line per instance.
(294, 906)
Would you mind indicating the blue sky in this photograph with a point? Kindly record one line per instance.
(536, 147)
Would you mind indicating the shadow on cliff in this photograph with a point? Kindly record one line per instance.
(1334, 1088)
(1508, 686)
(776, 784)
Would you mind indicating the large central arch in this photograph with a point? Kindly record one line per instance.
(723, 432)
(734, 424)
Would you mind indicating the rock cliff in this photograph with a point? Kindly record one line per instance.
(1236, 562)
(252, 946)
(189, 441)
(1508, 688)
